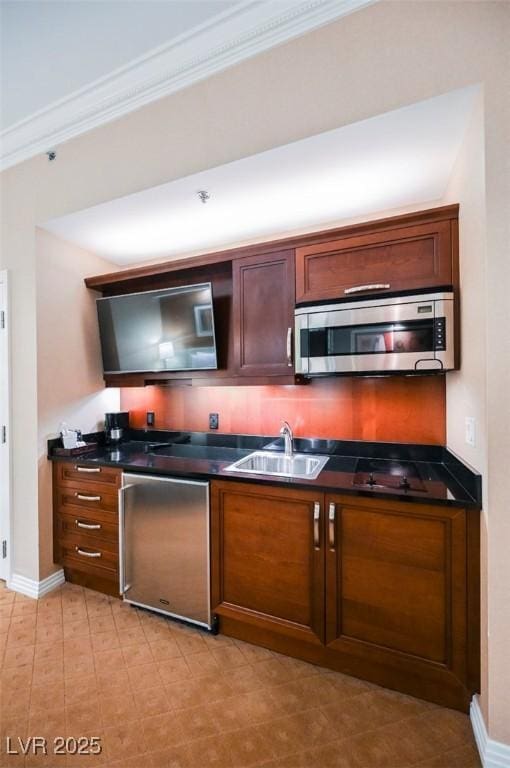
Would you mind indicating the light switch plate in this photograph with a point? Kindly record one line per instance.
(470, 431)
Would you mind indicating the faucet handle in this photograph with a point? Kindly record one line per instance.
(286, 432)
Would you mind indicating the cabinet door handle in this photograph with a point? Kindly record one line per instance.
(331, 524)
(316, 525)
(289, 347)
(87, 469)
(369, 287)
(88, 526)
(84, 497)
(87, 554)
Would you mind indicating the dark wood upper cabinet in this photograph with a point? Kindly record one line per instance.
(256, 287)
(266, 567)
(408, 257)
(263, 313)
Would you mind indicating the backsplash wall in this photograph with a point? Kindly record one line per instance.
(395, 409)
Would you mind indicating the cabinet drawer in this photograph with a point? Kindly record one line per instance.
(70, 473)
(90, 500)
(403, 258)
(88, 525)
(84, 553)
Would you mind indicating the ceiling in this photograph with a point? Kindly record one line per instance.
(401, 158)
(50, 49)
(71, 65)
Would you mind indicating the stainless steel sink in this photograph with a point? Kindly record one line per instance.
(300, 465)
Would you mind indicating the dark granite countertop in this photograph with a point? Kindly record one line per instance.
(442, 477)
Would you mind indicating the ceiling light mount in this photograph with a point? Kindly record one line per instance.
(203, 195)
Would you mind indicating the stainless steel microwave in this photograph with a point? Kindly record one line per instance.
(408, 334)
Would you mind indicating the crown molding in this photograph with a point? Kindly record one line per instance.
(249, 28)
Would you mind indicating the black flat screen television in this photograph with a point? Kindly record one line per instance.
(165, 330)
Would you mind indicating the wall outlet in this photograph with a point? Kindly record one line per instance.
(470, 431)
(150, 419)
(214, 421)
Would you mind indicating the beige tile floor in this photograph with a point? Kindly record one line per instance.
(157, 694)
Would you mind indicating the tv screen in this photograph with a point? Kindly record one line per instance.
(165, 330)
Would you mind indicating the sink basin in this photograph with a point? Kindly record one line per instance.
(301, 465)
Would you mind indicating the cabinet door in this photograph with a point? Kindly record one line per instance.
(403, 258)
(396, 593)
(264, 289)
(268, 559)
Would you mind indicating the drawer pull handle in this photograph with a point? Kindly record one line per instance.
(369, 287)
(88, 526)
(87, 554)
(87, 469)
(84, 497)
(316, 525)
(331, 526)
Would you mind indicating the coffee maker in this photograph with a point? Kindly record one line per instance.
(115, 425)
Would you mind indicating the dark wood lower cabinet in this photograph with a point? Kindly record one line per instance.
(267, 572)
(396, 595)
(384, 590)
(86, 526)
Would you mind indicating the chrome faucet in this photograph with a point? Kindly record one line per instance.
(286, 431)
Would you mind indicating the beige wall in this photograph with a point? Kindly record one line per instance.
(383, 57)
(466, 390)
(69, 373)
(17, 254)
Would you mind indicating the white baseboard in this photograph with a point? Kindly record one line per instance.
(493, 754)
(33, 588)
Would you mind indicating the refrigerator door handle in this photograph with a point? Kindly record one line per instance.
(123, 588)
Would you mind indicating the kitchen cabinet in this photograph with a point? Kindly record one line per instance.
(263, 312)
(255, 288)
(268, 559)
(384, 590)
(85, 524)
(397, 594)
(413, 255)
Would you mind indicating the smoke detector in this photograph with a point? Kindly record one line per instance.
(203, 195)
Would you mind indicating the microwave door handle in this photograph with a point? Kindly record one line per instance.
(369, 287)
